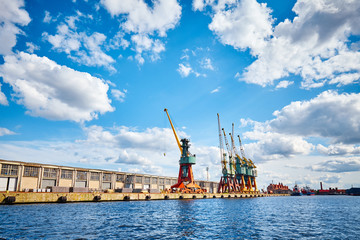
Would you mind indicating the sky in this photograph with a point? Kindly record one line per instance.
(84, 83)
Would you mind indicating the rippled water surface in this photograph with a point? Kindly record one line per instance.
(313, 217)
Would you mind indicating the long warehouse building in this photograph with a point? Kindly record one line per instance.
(35, 177)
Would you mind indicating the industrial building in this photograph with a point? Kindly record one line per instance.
(35, 177)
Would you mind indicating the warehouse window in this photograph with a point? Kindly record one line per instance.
(120, 177)
(154, 181)
(81, 175)
(129, 179)
(138, 179)
(107, 177)
(95, 176)
(161, 181)
(31, 172)
(167, 181)
(147, 180)
(66, 174)
(49, 173)
(7, 169)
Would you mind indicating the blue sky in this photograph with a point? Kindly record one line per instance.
(84, 83)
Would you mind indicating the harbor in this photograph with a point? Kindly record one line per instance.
(53, 197)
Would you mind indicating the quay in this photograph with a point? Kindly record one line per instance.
(22, 182)
(53, 197)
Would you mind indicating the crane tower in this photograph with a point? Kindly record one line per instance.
(186, 183)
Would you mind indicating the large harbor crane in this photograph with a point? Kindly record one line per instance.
(251, 170)
(226, 183)
(186, 182)
(240, 168)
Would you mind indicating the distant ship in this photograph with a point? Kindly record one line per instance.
(296, 191)
(307, 191)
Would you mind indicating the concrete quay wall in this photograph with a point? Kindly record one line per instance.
(53, 197)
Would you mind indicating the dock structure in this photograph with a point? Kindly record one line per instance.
(18, 176)
(22, 182)
(53, 197)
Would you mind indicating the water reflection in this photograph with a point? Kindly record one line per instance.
(322, 217)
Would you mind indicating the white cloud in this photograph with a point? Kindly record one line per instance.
(162, 16)
(82, 48)
(118, 41)
(31, 47)
(193, 60)
(242, 24)
(216, 90)
(119, 95)
(329, 115)
(206, 64)
(284, 84)
(114, 148)
(338, 166)
(314, 45)
(53, 91)
(271, 145)
(3, 99)
(47, 18)
(146, 23)
(5, 131)
(184, 70)
(338, 149)
(11, 15)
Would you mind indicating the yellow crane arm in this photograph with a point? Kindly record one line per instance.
(176, 136)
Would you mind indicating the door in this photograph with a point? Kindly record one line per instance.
(3, 184)
(48, 183)
(12, 184)
(80, 184)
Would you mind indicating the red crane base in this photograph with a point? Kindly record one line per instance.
(228, 184)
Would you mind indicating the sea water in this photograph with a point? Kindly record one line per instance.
(305, 217)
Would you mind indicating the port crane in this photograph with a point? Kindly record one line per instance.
(186, 182)
(227, 182)
(240, 167)
(251, 171)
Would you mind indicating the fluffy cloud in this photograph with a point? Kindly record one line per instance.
(314, 45)
(82, 48)
(146, 23)
(152, 151)
(196, 62)
(11, 15)
(337, 166)
(206, 64)
(3, 99)
(53, 91)
(119, 95)
(242, 24)
(31, 47)
(329, 115)
(338, 149)
(5, 131)
(272, 145)
(284, 84)
(184, 70)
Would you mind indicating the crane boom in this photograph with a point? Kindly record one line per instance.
(241, 148)
(175, 134)
(227, 144)
(232, 165)
(248, 161)
(234, 149)
(221, 146)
